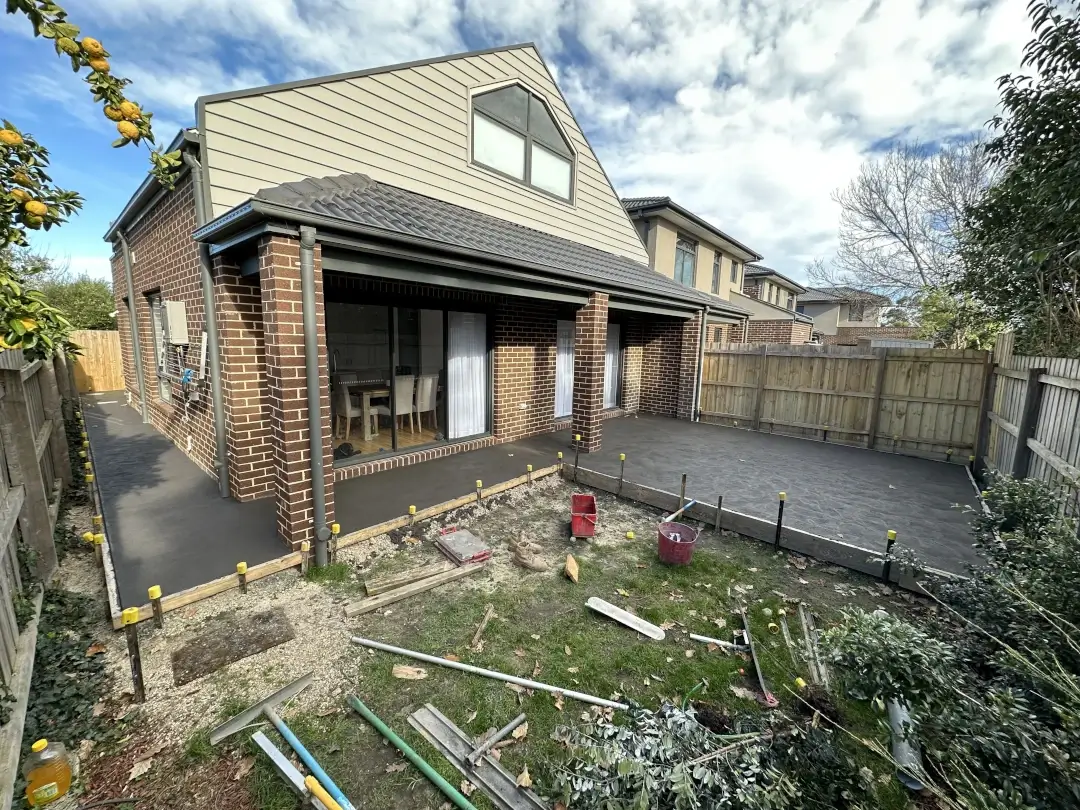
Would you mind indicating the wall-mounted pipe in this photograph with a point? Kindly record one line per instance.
(213, 348)
(700, 372)
(136, 349)
(311, 362)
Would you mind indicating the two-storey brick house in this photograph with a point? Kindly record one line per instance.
(772, 299)
(373, 269)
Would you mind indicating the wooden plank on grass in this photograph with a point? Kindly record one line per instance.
(383, 584)
(376, 602)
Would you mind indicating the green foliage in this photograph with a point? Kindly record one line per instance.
(86, 302)
(955, 320)
(1021, 243)
(331, 572)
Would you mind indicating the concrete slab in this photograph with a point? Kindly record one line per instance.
(166, 523)
(844, 493)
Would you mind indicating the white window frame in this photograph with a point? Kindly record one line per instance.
(691, 248)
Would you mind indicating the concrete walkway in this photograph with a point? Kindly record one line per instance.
(845, 493)
(165, 521)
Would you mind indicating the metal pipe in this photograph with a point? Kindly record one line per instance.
(699, 374)
(488, 673)
(314, 407)
(727, 645)
(905, 749)
(136, 350)
(448, 790)
(485, 746)
(306, 757)
(217, 397)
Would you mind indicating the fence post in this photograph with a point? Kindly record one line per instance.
(982, 437)
(875, 404)
(24, 468)
(759, 399)
(50, 398)
(63, 383)
(1029, 418)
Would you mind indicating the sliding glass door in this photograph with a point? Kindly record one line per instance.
(564, 369)
(468, 377)
(611, 367)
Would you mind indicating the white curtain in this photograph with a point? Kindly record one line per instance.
(564, 370)
(467, 374)
(611, 367)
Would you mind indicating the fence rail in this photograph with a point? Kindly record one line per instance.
(34, 468)
(923, 402)
(1033, 426)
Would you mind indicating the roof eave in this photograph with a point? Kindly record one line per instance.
(701, 223)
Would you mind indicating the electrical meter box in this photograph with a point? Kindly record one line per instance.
(176, 332)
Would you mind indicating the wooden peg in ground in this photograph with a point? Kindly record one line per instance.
(571, 569)
(489, 614)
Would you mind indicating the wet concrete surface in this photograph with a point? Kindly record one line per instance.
(165, 521)
(845, 493)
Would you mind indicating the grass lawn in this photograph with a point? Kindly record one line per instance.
(543, 630)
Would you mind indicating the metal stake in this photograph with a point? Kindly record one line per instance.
(479, 490)
(154, 592)
(130, 619)
(486, 746)
(780, 520)
(719, 510)
(682, 491)
(886, 568)
(622, 469)
(577, 453)
(241, 574)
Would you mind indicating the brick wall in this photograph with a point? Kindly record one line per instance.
(286, 387)
(849, 335)
(590, 342)
(633, 338)
(751, 287)
(524, 373)
(725, 332)
(660, 358)
(689, 343)
(784, 331)
(166, 260)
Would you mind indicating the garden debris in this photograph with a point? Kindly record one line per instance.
(520, 732)
(227, 638)
(95, 649)
(489, 614)
(407, 673)
(626, 618)
(740, 691)
(462, 546)
(524, 780)
(374, 602)
(246, 764)
(571, 569)
(767, 696)
(140, 768)
(396, 767)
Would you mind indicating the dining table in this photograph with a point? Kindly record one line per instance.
(368, 391)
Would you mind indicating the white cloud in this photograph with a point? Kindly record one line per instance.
(750, 114)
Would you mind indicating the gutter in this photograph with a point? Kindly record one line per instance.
(136, 350)
(221, 461)
(314, 409)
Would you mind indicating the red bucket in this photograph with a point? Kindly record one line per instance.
(676, 543)
(582, 515)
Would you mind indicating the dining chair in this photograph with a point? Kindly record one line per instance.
(403, 400)
(427, 390)
(345, 408)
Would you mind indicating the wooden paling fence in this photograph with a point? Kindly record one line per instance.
(1033, 426)
(99, 367)
(34, 468)
(920, 402)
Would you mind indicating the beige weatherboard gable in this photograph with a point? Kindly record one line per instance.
(408, 127)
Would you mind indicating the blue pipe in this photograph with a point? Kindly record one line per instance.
(309, 760)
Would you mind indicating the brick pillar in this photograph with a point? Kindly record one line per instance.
(238, 300)
(590, 340)
(286, 387)
(633, 349)
(688, 361)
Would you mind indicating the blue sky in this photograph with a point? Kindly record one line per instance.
(748, 113)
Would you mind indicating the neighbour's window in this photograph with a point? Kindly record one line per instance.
(514, 134)
(857, 311)
(800, 309)
(717, 262)
(685, 255)
(734, 272)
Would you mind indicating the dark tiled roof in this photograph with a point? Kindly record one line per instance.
(357, 199)
(838, 295)
(761, 271)
(633, 203)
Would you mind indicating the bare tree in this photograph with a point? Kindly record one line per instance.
(900, 218)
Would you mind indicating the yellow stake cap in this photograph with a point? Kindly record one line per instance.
(82, 454)
(305, 546)
(577, 437)
(800, 683)
(130, 616)
(622, 456)
(412, 510)
(99, 539)
(83, 435)
(87, 465)
(479, 484)
(783, 496)
(335, 528)
(97, 520)
(88, 537)
(560, 454)
(241, 568)
(154, 591)
(629, 535)
(85, 443)
(89, 477)
(891, 534)
(774, 627)
(971, 458)
(528, 468)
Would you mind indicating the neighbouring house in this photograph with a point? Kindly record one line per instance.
(842, 315)
(377, 268)
(684, 247)
(772, 299)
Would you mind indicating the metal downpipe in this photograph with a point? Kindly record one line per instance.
(311, 363)
(696, 416)
(136, 349)
(213, 347)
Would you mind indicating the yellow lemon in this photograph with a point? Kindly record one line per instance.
(10, 137)
(92, 48)
(19, 195)
(113, 113)
(128, 130)
(130, 110)
(101, 64)
(31, 221)
(37, 208)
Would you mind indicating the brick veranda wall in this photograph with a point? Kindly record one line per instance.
(166, 261)
(785, 331)
(524, 373)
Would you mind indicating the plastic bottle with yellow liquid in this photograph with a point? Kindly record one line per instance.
(48, 773)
